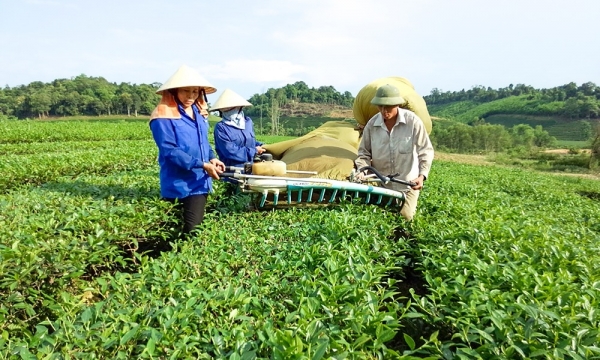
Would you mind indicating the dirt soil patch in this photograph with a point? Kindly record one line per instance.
(342, 113)
(565, 151)
(482, 160)
(319, 110)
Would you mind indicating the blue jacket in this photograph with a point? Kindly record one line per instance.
(235, 146)
(183, 149)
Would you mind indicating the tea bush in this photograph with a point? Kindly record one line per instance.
(498, 263)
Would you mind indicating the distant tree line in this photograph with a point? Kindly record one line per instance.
(85, 95)
(81, 95)
(483, 138)
(570, 100)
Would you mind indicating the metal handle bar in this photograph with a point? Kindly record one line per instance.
(247, 170)
(385, 179)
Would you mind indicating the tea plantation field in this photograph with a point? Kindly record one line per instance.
(498, 263)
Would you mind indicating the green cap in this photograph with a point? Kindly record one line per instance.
(387, 95)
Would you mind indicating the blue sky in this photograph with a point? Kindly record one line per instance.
(249, 46)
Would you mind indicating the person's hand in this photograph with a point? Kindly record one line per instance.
(212, 170)
(260, 150)
(219, 164)
(418, 183)
(358, 176)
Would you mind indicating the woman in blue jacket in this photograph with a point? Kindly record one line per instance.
(187, 162)
(235, 141)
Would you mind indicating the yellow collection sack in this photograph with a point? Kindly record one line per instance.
(330, 150)
(363, 110)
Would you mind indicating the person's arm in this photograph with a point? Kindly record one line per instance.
(364, 149)
(259, 147)
(164, 136)
(229, 149)
(204, 128)
(251, 124)
(423, 147)
(215, 161)
(211, 153)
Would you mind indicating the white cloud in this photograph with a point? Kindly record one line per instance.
(42, 2)
(256, 70)
(346, 43)
(142, 37)
(313, 39)
(265, 12)
(54, 3)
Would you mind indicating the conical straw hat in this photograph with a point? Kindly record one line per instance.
(185, 76)
(229, 99)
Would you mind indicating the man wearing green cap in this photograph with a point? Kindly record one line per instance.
(395, 141)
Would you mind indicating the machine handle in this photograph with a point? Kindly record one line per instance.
(385, 179)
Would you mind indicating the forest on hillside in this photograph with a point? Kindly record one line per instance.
(569, 101)
(297, 92)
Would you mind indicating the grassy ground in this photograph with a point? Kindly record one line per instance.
(552, 162)
(572, 144)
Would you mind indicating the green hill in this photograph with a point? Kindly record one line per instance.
(517, 110)
(567, 112)
(561, 129)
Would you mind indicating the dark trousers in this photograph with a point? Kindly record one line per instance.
(192, 210)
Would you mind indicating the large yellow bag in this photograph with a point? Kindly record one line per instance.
(330, 150)
(363, 110)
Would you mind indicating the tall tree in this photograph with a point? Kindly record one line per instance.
(274, 114)
(523, 135)
(127, 101)
(137, 103)
(39, 103)
(106, 95)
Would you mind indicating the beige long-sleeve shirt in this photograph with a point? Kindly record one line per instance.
(405, 150)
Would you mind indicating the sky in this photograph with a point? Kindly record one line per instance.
(250, 46)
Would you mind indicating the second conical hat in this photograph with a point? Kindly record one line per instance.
(229, 99)
(185, 76)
